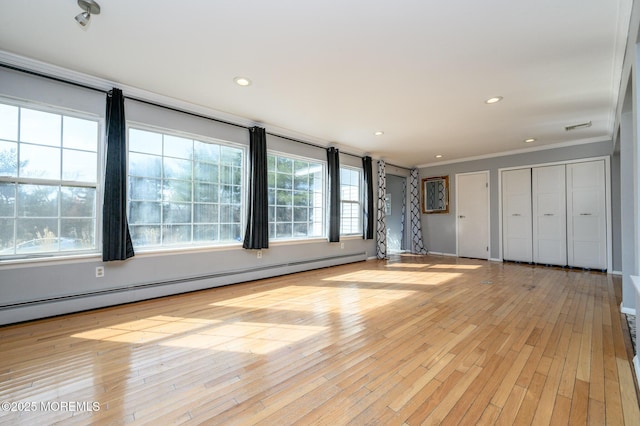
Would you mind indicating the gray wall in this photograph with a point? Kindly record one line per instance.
(439, 230)
(36, 289)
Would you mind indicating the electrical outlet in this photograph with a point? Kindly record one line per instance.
(99, 271)
(259, 254)
(341, 245)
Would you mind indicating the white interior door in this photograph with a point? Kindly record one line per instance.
(586, 217)
(549, 215)
(472, 195)
(517, 242)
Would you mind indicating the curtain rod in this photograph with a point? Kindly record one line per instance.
(97, 89)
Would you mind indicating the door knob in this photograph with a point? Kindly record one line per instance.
(585, 214)
(548, 214)
(461, 217)
(516, 214)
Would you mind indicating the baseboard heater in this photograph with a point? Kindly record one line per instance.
(177, 281)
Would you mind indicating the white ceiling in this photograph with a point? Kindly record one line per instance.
(336, 71)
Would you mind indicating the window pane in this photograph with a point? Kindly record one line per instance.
(39, 162)
(284, 165)
(145, 189)
(37, 235)
(9, 122)
(300, 198)
(206, 172)
(205, 213)
(144, 212)
(231, 156)
(283, 230)
(300, 214)
(206, 192)
(177, 169)
(300, 230)
(146, 142)
(8, 159)
(294, 185)
(145, 165)
(6, 237)
(205, 232)
(79, 166)
(176, 234)
(351, 205)
(206, 152)
(52, 216)
(190, 177)
(77, 234)
(79, 134)
(7, 200)
(43, 128)
(37, 201)
(146, 235)
(78, 202)
(178, 147)
(284, 181)
(176, 213)
(229, 232)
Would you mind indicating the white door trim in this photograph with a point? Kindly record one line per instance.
(486, 172)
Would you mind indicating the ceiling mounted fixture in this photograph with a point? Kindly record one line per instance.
(379, 133)
(90, 7)
(493, 100)
(529, 140)
(577, 126)
(438, 156)
(242, 81)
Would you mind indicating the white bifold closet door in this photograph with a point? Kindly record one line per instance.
(586, 216)
(549, 215)
(517, 243)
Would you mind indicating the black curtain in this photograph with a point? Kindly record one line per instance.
(116, 240)
(368, 212)
(333, 162)
(257, 234)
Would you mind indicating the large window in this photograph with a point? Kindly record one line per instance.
(350, 201)
(48, 181)
(296, 197)
(183, 191)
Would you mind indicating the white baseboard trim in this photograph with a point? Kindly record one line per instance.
(493, 259)
(636, 366)
(437, 253)
(629, 311)
(616, 273)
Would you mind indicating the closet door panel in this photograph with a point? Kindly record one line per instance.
(516, 215)
(549, 215)
(586, 215)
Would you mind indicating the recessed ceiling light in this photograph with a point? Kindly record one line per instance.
(493, 100)
(379, 133)
(529, 140)
(242, 81)
(438, 155)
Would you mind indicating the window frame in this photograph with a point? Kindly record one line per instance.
(61, 183)
(359, 202)
(192, 246)
(323, 221)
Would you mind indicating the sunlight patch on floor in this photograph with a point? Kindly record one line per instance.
(391, 277)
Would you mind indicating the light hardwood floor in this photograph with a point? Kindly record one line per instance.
(414, 340)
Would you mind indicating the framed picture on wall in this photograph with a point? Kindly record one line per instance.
(435, 194)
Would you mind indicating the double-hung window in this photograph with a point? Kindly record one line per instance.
(48, 181)
(296, 197)
(350, 201)
(183, 191)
